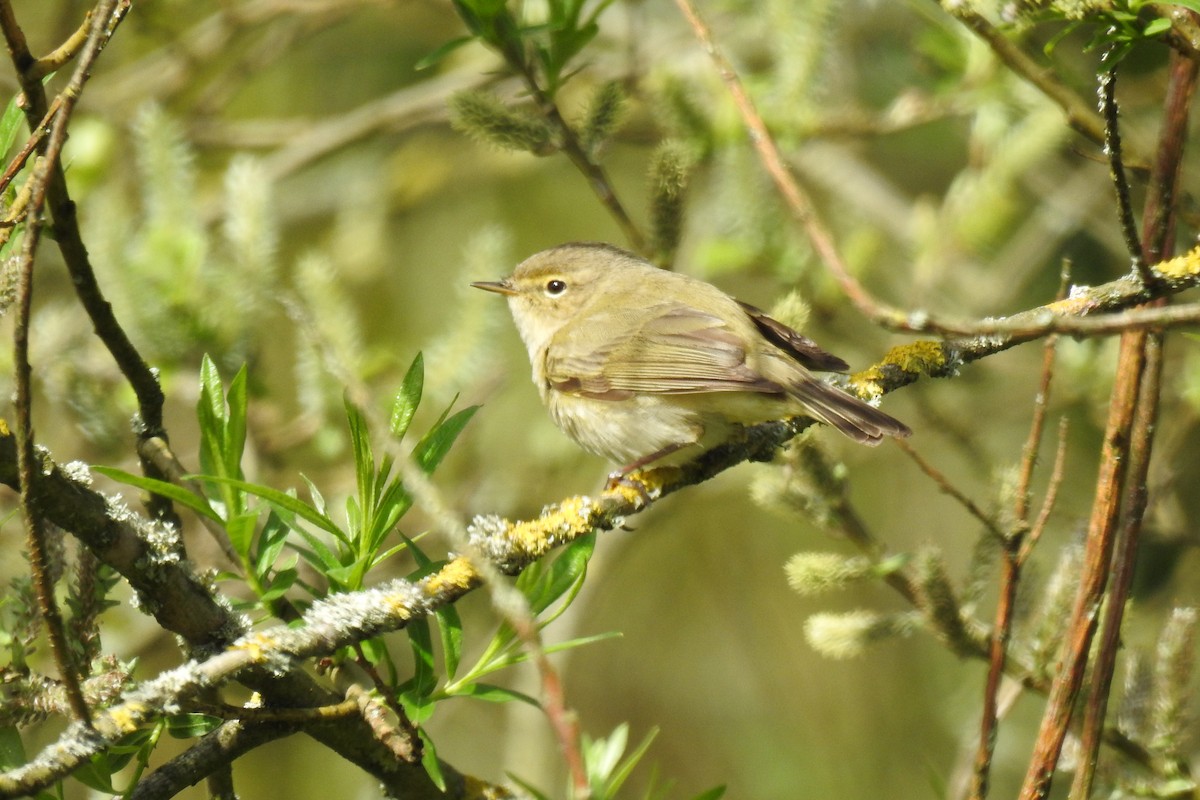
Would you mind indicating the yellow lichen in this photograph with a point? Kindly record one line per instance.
(4, 431)
(257, 646)
(127, 717)
(926, 357)
(1182, 266)
(456, 576)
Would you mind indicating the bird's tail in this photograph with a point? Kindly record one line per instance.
(861, 422)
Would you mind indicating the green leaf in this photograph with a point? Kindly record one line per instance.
(451, 631)
(545, 586)
(191, 726)
(527, 787)
(494, 694)
(429, 760)
(11, 123)
(433, 447)
(286, 505)
(235, 431)
(424, 679)
(97, 773)
(12, 750)
(442, 51)
(715, 793)
(364, 458)
(178, 494)
(270, 543)
(1156, 27)
(408, 398)
(240, 530)
(618, 777)
(280, 583)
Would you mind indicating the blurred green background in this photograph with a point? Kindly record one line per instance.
(235, 160)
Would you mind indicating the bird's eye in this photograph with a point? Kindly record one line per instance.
(555, 287)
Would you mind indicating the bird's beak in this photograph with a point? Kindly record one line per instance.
(499, 287)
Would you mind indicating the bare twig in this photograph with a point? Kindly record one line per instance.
(1116, 167)
(943, 483)
(1159, 223)
(1009, 580)
(1095, 705)
(105, 18)
(1080, 115)
(1078, 634)
(1057, 473)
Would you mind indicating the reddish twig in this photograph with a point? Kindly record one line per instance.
(1077, 639)
(1158, 229)
(798, 203)
(1125, 552)
(1009, 580)
(1125, 458)
(1057, 473)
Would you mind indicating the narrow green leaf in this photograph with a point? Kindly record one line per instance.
(287, 505)
(240, 530)
(171, 491)
(495, 694)
(280, 583)
(715, 793)
(429, 760)
(1156, 27)
(11, 123)
(430, 451)
(563, 573)
(424, 679)
(98, 771)
(441, 52)
(364, 457)
(531, 790)
(191, 726)
(623, 770)
(270, 544)
(318, 500)
(235, 430)
(451, 631)
(408, 398)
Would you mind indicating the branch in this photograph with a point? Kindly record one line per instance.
(182, 603)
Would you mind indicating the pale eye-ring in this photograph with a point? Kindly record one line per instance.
(555, 287)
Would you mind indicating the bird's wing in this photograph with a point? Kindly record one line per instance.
(667, 348)
(796, 345)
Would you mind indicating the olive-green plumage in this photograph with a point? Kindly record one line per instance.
(639, 364)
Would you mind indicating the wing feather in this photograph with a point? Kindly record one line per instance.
(668, 348)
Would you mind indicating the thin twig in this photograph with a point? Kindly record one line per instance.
(1080, 115)
(1009, 581)
(1159, 223)
(797, 202)
(946, 487)
(1081, 627)
(569, 142)
(1116, 167)
(23, 372)
(1057, 473)
(142, 379)
(1095, 705)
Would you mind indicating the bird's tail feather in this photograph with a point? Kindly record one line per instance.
(861, 422)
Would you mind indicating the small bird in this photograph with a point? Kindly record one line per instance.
(645, 366)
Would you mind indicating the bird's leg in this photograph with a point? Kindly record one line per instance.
(621, 476)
